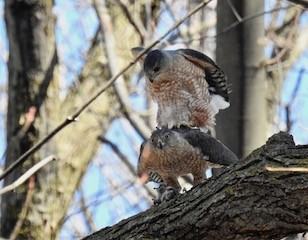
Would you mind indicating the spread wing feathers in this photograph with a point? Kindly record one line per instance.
(215, 77)
(217, 152)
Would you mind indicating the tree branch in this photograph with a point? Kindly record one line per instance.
(25, 209)
(109, 83)
(113, 62)
(27, 174)
(127, 163)
(302, 3)
(245, 202)
(137, 25)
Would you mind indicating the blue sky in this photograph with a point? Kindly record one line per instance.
(73, 42)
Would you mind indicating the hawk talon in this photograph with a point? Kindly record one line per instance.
(184, 124)
(165, 193)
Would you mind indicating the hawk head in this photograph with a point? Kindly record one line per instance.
(165, 139)
(155, 63)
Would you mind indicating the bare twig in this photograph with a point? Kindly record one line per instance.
(138, 27)
(24, 211)
(29, 118)
(243, 19)
(289, 122)
(39, 99)
(120, 87)
(127, 163)
(116, 191)
(235, 12)
(74, 116)
(36, 147)
(86, 212)
(42, 92)
(284, 169)
(27, 174)
(288, 41)
(119, 154)
(302, 3)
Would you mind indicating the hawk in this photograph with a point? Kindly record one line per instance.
(188, 86)
(170, 153)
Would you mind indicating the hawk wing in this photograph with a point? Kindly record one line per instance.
(215, 77)
(217, 152)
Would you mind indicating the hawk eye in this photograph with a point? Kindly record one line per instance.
(156, 69)
(152, 140)
(167, 137)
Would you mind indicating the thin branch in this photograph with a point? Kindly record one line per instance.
(138, 27)
(235, 12)
(244, 19)
(27, 174)
(127, 163)
(24, 211)
(117, 151)
(289, 122)
(42, 93)
(120, 87)
(285, 169)
(29, 118)
(288, 41)
(38, 101)
(116, 191)
(248, 18)
(36, 147)
(302, 3)
(86, 212)
(109, 83)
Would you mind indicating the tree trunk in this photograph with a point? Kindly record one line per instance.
(242, 127)
(75, 146)
(30, 26)
(246, 201)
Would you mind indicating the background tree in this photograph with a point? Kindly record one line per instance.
(31, 65)
(242, 126)
(92, 183)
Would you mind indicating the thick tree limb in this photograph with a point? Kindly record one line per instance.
(245, 202)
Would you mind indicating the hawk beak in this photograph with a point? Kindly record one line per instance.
(160, 144)
(151, 76)
(151, 79)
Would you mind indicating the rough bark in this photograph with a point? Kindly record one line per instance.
(244, 202)
(242, 127)
(32, 55)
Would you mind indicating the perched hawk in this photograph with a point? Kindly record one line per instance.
(188, 87)
(170, 153)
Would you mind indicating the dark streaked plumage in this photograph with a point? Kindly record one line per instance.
(170, 153)
(188, 87)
